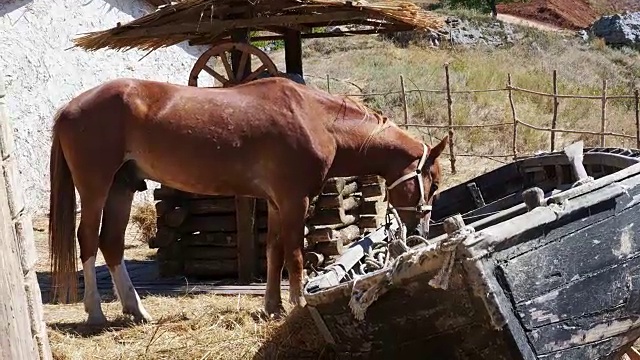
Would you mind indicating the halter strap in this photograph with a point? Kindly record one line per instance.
(422, 205)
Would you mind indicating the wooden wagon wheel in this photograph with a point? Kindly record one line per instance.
(222, 52)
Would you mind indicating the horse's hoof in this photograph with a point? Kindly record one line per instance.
(96, 319)
(142, 319)
(297, 300)
(139, 317)
(274, 312)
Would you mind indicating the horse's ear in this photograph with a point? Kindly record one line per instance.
(438, 149)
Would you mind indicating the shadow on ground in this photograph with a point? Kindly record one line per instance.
(297, 338)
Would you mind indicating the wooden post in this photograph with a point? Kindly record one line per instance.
(23, 333)
(554, 121)
(328, 84)
(603, 123)
(293, 51)
(450, 116)
(405, 108)
(514, 142)
(533, 197)
(453, 224)
(245, 206)
(637, 101)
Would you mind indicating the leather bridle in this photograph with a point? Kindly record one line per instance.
(422, 206)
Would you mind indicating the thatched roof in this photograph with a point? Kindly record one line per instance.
(207, 21)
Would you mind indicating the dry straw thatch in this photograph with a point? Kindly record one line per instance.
(212, 20)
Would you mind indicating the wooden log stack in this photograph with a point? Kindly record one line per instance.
(346, 209)
(197, 235)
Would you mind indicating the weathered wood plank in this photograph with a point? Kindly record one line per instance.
(583, 331)
(22, 331)
(208, 252)
(175, 217)
(370, 221)
(346, 234)
(589, 249)
(337, 185)
(333, 216)
(330, 248)
(222, 205)
(373, 208)
(247, 225)
(372, 191)
(595, 350)
(216, 223)
(601, 291)
(566, 225)
(217, 239)
(370, 180)
(329, 201)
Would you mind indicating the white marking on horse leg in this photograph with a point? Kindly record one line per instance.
(127, 294)
(91, 295)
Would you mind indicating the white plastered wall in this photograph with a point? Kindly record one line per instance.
(43, 73)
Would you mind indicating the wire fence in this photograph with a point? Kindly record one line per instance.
(516, 124)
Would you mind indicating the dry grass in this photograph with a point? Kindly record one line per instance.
(143, 217)
(184, 327)
(375, 67)
(188, 327)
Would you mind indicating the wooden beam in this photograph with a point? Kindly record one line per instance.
(222, 25)
(293, 52)
(203, 41)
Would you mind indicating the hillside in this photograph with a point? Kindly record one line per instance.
(370, 65)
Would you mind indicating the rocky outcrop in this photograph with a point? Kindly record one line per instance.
(461, 33)
(619, 29)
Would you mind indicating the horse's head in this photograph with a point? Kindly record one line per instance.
(412, 194)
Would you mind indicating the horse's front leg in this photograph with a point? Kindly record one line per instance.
(292, 215)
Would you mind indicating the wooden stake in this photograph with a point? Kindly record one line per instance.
(328, 84)
(450, 115)
(637, 98)
(603, 123)
(515, 118)
(554, 121)
(404, 103)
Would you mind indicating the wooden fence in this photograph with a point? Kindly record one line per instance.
(516, 122)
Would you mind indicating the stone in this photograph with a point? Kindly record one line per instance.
(619, 29)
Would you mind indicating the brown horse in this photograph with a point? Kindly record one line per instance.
(271, 138)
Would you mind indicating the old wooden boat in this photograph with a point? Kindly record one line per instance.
(538, 259)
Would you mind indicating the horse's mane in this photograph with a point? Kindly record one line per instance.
(382, 121)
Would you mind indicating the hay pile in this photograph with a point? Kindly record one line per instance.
(212, 20)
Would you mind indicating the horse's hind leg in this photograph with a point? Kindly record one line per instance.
(88, 239)
(114, 224)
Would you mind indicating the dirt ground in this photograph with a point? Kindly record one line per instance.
(567, 14)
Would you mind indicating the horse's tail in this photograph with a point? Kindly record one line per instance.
(62, 223)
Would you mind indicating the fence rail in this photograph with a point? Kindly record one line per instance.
(604, 97)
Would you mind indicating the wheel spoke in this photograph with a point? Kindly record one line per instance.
(255, 74)
(227, 66)
(215, 74)
(242, 65)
